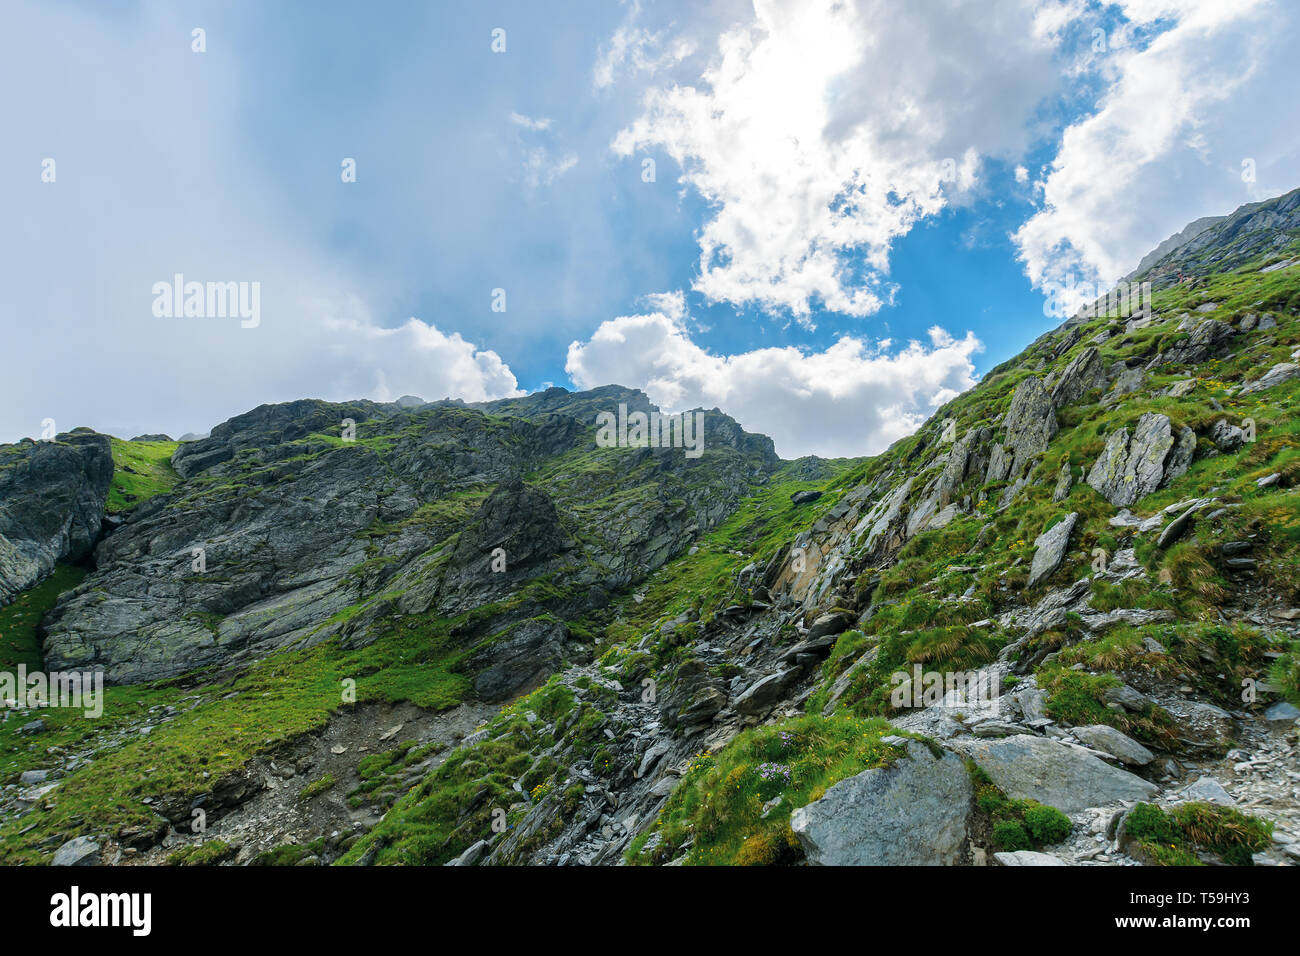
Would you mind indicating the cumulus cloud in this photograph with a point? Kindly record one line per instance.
(853, 398)
(1165, 144)
(825, 130)
(416, 358)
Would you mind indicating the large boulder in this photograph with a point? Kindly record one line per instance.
(1130, 467)
(763, 694)
(1206, 338)
(1107, 739)
(1128, 381)
(833, 622)
(1064, 481)
(912, 813)
(1086, 372)
(1226, 436)
(1026, 767)
(52, 497)
(79, 851)
(1050, 547)
(1029, 425)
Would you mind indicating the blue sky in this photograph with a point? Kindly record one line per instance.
(856, 208)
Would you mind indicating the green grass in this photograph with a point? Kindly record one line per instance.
(278, 699)
(1016, 824)
(141, 470)
(1076, 698)
(317, 787)
(452, 807)
(207, 853)
(19, 619)
(1171, 837)
(719, 803)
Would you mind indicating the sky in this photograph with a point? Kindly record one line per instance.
(825, 217)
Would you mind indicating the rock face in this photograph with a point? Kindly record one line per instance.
(1282, 372)
(1029, 426)
(1051, 546)
(282, 534)
(1131, 467)
(52, 497)
(520, 661)
(1105, 738)
(1084, 373)
(913, 813)
(1025, 767)
(1227, 242)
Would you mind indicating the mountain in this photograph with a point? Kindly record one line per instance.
(1059, 623)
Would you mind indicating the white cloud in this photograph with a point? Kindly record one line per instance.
(541, 163)
(1165, 143)
(414, 358)
(542, 167)
(95, 242)
(853, 398)
(527, 122)
(634, 49)
(825, 130)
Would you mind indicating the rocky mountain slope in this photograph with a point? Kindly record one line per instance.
(1058, 624)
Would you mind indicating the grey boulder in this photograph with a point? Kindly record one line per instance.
(1130, 467)
(1050, 547)
(912, 813)
(79, 851)
(1107, 739)
(1036, 768)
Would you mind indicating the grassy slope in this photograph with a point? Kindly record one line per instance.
(18, 620)
(414, 658)
(141, 469)
(921, 621)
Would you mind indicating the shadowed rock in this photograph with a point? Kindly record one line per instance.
(52, 497)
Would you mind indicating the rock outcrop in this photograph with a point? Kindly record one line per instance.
(299, 523)
(52, 497)
(1025, 767)
(1049, 549)
(1130, 467)
(913, 813)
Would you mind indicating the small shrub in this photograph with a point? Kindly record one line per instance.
(1009, 835)
(1046, 825)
